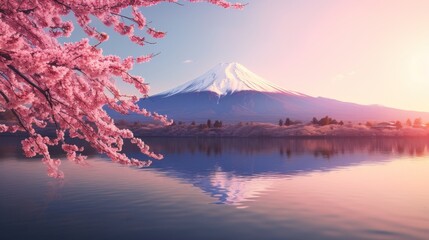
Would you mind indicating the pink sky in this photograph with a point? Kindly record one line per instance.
(368, 51)
(359, 51)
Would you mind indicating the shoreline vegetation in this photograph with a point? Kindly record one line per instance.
(296, 129)
(324, 127)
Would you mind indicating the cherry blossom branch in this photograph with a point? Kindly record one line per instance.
(45, 93)
(73, 77)
(15, 113)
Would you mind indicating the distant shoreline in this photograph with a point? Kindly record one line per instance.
(259, 130)
(268, 130)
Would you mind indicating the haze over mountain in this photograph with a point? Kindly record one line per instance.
(232, 93)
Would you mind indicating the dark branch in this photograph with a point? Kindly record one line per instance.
(120, 15)
(5, 56)
(17, 72)
(26, 11)
(14, 112)
(62, 4)
(46, 93)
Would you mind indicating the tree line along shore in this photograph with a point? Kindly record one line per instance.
(325, 126)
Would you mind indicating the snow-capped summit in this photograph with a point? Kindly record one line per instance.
(231, 93)
(227, 78)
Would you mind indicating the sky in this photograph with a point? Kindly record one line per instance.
(367, 51)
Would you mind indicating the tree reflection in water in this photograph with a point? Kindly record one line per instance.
(324, 147)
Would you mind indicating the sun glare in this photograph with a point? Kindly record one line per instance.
(418, 67)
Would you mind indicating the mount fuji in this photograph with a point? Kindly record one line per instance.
(232, 93)
(228, 78)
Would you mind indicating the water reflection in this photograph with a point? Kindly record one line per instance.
(324, 147)
(290, 189)
(10, 146)
(236, 171)
(231, 189)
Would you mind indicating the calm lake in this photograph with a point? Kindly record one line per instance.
(225, 189)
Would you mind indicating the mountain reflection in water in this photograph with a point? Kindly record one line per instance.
(235, 171)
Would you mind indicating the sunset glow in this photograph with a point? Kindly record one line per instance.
(358, 51)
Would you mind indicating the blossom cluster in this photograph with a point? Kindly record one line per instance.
(44, 82)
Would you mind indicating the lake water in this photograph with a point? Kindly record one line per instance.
(225, 189)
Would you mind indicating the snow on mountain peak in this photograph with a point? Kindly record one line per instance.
(227, 78)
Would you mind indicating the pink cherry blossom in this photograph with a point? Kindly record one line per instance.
(46, 83)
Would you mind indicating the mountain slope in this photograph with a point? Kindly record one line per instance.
(231, 93)
(227, 78)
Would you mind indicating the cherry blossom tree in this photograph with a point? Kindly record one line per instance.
(46, 83)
